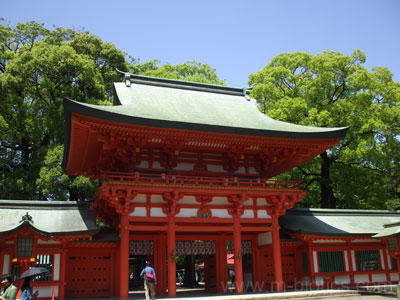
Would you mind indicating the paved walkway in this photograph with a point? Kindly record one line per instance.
(385, 292)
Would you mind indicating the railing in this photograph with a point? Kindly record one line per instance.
(139, 178)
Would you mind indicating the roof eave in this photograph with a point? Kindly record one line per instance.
(75, 107)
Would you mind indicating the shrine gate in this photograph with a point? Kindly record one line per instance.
(188, 167)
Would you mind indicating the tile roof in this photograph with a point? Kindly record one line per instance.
(52, 218)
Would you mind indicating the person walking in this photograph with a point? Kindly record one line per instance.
(26, 290)
(150, 280)
(9, 291)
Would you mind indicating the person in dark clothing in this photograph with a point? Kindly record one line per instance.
(26, 290)
(150, 280)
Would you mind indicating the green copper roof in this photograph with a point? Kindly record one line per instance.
(51, 218)
(389, 230)
(193, 106)
(336, 222)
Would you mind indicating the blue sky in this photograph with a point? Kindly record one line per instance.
(234, 37)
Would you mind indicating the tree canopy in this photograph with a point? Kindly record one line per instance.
(38, 69)
(336, 90)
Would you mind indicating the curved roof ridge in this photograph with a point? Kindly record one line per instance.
(183, 84)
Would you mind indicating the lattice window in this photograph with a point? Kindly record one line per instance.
(24, 246)
(392, 244)
(331, 261)
(246, 247)
(368, 260)
(44, 261)
(195, 247)
(304, 259)
(141, 247)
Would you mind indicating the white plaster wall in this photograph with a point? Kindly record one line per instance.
(56, 268)
(378, 277)
(346, 261)
(262, 214)
(247, 214)
(215, 168)
(219, 201)
(382, 257)
(394, 276)
(248, 202)
(361, 278)
(241, 170)
(141, 198)
(328, 241)
(220, 213)
(265, 238)
(188, 200)
(144, 164)
(157, 199)
(315, 261)
(353, 260)
(345, 279)
(389, 260)
(157, 165)
(185, 166)
(6, 264)
(139, 212)
(157, 212)
(46, 291)
(262, 202)
(187, 213)
(252, 170)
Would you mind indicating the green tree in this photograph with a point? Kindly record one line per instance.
(188, 71)
(335, 90)
(38, 69)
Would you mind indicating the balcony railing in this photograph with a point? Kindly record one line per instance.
(139, 178)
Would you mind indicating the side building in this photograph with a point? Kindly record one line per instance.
(320, 248)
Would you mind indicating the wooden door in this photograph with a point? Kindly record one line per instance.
(88, 275)
(210, 273)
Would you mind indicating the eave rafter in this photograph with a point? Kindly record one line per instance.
(121, 146)
(202, 139)
(282, 202)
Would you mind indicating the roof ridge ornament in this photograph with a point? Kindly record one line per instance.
(130, 78)
(27, 218)
(127, 77)
(246, 92)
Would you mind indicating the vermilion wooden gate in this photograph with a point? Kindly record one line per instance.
(289, 269)
(88, 275)
(210, 271)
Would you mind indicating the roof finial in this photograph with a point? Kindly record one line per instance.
(26, 218)
(246, 92)
(127, 77)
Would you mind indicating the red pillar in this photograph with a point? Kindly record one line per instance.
(171, 257)
(63, 271)
(221, 267)
(276, 254)
(237, 251)
(124, 257)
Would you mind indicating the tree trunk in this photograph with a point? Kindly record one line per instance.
(328, 199)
